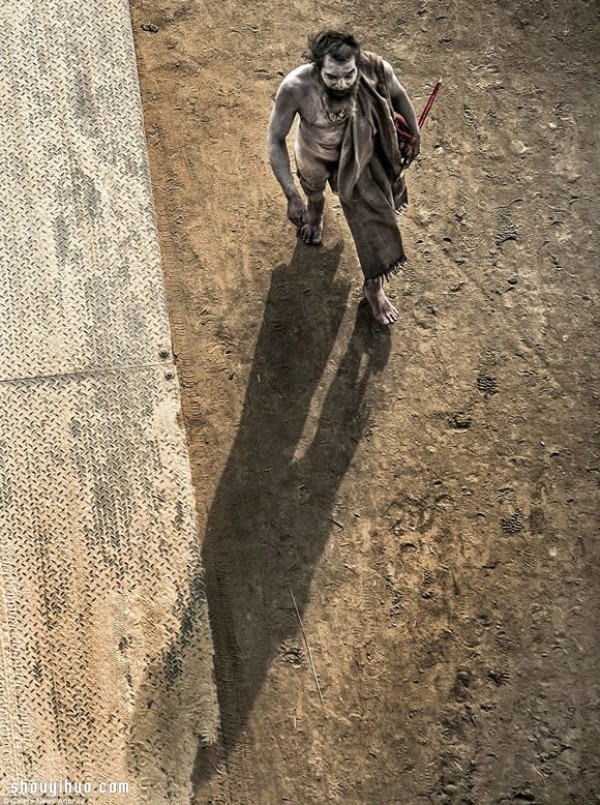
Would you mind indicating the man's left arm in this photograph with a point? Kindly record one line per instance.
(402, 104)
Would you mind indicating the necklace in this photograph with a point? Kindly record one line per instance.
(337, 116)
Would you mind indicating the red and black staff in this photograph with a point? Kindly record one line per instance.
(400, 122)
(429, 103)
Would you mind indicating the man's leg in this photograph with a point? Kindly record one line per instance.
(383, 310)
(313, 174)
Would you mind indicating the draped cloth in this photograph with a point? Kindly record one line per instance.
(369, 178)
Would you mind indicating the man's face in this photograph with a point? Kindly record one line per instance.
(339, 78)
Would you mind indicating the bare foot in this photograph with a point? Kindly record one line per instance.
(312, 230)
(383, 310)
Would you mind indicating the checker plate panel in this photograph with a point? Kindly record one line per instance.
(80, 272)
(105, 647)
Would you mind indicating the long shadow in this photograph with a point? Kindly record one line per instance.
(269, 521)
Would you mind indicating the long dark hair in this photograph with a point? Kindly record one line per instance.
(340, 45)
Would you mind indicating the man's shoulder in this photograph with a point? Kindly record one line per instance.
(376, 69)
(371, 62)
(370, 55)
(299, 79)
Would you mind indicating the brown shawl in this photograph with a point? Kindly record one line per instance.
(369, 181)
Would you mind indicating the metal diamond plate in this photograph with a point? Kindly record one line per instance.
(104, 638)
(105, 646)
(80, 274)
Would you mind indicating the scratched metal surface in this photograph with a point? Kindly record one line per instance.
(80, 273)
(105, 648)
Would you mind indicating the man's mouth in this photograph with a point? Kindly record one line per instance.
(340, 93)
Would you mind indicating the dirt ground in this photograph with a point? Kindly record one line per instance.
(426, 495)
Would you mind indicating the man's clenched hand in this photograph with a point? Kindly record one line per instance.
(413, 149)
(296, 210)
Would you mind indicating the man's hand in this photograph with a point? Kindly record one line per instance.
(409, 139)
(413, 150)
(296, 210)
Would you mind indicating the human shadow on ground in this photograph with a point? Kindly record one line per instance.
(270, 519)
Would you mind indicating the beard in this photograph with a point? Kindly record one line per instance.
(337, 94)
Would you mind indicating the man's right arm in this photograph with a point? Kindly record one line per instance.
(280, 123)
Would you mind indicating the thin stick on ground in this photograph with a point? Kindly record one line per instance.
(312, 665)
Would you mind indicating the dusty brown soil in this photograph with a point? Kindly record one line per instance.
(428, 495)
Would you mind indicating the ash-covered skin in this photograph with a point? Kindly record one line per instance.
(322, 93)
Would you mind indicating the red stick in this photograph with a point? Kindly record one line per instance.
(400, 123)
(429, 103)
(404, 135)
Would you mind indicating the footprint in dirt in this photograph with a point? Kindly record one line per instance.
(424, 313)
(487, 384)
(512, 524)
(499, 677)
(459, 421)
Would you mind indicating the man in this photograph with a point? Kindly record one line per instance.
(349, 103)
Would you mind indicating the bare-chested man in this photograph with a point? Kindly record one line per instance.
(325, 94)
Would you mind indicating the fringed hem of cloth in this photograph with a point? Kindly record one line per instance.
(388, 272)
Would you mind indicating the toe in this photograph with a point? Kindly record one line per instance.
(316, 237)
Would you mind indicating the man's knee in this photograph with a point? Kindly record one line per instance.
(312, 186)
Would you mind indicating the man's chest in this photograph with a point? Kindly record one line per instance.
(318, 112)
